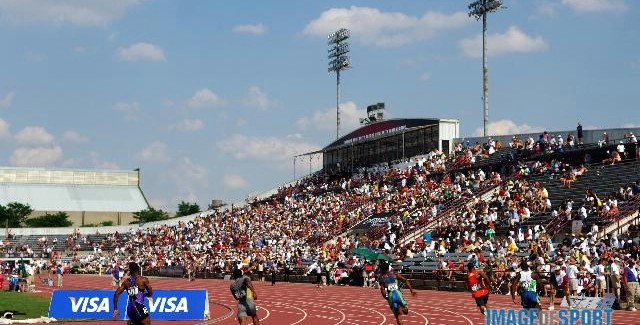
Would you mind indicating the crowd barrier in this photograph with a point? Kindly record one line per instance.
(98, 304)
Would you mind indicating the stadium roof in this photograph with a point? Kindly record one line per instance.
(68, 197)
(55, 189)
(380, 129)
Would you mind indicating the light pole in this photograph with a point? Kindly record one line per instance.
(480, 9)
(338, 61)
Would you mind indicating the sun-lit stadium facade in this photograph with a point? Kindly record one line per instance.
(390, 140)
(87, 196)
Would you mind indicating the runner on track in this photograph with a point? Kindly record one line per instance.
(559, 282)
(243, 291)
(526, 285)
(478, 283)
(137, 288)
(390, 290)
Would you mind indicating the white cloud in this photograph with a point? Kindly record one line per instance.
(36, 57)
(78, 12)
(34, 136)
(93, 160)
(4, 129)
(506, 127)
(325, 119)
(188, 125)
(386, 29)
(425, 77)
(265, 149)
(631, 125)
(155, 152)
(141, 51)
(241, 122)
(512, 41)
(7, 99)
(192, 171)
(547, 8)
(130, 109)
(596, 5)
(257, 29)
(74, 137)
(187, 179)
(158, 203)
(234, 181)
(36, 157)
(204, 98)
(258, 98)
(99, 163)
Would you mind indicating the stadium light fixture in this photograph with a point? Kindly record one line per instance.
(479, 9)
(338, 61)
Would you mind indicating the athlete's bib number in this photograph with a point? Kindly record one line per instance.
(529, 285)
(392, 286)
(132, 291)
(475, 287)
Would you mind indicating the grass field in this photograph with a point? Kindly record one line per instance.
(23, 305)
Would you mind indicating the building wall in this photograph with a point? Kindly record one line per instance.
(95, 218)
(448, 131)
(68, 176)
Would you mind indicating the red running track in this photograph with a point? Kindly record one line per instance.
(295, 303)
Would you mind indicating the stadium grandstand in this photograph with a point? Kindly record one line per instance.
(550, 198)
(87, 196)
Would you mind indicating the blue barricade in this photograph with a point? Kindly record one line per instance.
(98, 304)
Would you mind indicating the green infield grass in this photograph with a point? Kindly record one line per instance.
(23, 305)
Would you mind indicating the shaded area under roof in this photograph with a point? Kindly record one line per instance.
(67, 197)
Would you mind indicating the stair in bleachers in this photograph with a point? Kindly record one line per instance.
(603, 179)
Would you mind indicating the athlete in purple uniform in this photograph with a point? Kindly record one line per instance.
(137, 287)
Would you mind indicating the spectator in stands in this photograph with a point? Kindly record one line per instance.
(630, 281)
(60, 274)
(580, 135)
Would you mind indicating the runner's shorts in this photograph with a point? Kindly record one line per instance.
(396, 300)
(246, 307)
(137, 312)
(482, 301)
(529, 299)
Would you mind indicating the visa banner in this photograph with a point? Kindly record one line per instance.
(98, 304)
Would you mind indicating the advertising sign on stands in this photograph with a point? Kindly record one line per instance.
(374, 220)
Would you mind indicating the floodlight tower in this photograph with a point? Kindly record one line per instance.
(480, 9)
(338, 61)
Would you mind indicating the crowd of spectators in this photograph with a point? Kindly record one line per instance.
(308, 222)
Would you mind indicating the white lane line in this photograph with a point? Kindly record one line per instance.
(268, 313)
(302, 310)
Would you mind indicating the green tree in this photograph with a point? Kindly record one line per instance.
(60, 219)
(149, 215)
(186, 209)
(14, 214)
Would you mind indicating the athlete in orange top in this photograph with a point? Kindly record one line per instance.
(477, 282)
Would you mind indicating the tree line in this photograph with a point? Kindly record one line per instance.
(16, 215)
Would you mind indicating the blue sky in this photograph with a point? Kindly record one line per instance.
(211, 99)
